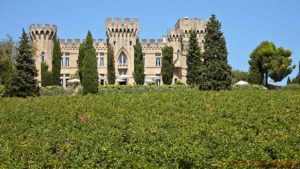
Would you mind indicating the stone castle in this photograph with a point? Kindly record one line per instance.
(122, 35)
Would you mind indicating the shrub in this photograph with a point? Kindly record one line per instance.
(56, 91)
(2, 90)
(248, 87)
(291, 87)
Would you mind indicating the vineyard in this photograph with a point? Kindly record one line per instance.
(178, 129)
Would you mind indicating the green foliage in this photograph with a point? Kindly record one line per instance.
(56, 62)
(216, 74)
(57, 91)
(111, 72)
(46, 76)
(23, 82)
(188, 129)
(194, 64)
(82, 49)
(6, 60)
(238, 75)
(167, 68)
(268, 61)
(248, 87)
(138, 74)
(90, 77)
(289, 81)
(2, 90)
(293, 87)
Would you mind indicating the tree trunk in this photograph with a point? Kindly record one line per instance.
(266, 82)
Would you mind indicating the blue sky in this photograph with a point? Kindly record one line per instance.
(245, 23)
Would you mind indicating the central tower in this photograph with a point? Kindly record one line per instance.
(122, 36)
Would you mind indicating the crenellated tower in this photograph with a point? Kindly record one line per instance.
(122, 36)
(42, 37)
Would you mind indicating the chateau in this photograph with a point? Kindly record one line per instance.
(122, 35)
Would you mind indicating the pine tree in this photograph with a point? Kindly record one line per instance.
(167, 68)
(56, 62)
(194, 63)
(82, 50)
(90, 77)
(111, 76)
(217, 72)
(268, 61)
(23, 82)
(138, 74)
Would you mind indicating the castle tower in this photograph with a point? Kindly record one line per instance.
(42, 37)
(122, 36)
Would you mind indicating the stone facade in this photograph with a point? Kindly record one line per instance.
(122, 35)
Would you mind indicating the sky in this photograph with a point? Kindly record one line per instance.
(245, 23)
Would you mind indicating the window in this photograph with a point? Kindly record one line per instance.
(43, 57)
(67, 62)
(122, 59)
(101, 61)
(130, 43)
(62, 61)
(157, 59)
(114, 43)
(178, 54)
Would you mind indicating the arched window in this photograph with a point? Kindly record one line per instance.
(43, 57)
(122, 59)
(178, 55)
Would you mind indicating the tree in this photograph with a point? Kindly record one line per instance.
(111, 76)
(90, 77)
(288, 81)
(56, 62)
(268, 61)
(216, 74)
(238, 75)
(6, 60)
(138, 74)
(82, 49)
(23, 82)
(194, 63)
(167, 68)
(46, 76)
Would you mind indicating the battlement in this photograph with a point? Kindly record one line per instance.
(122, 28)
(39, 31)
(119, 23)
(152, 43)
(190, 23)
(75, 44)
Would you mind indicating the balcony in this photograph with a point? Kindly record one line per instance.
(122, 66)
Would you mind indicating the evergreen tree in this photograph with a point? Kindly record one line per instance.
(111, 76)
(194, 63)
(268, 61)
(46, 76)
(56, 62)
(82, 50)
(167, 68)
(138, 74)
(90, 77)
(217, 73)
(23, 82)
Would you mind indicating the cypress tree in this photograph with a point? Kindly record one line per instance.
(46, 76)
(167, 68)
(90, 77)
(56, 62)
(138, 74)
(217, 73)
(82, 49)
(194, 63)
(23, 82)
(111, 76)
